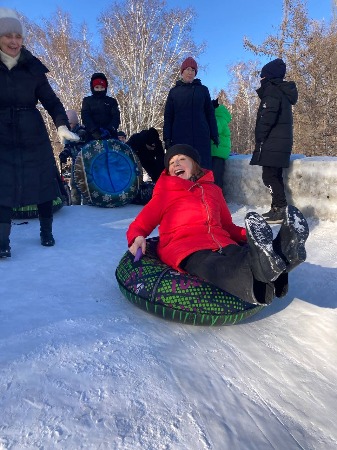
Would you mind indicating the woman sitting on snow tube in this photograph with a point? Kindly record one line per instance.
(197, 234)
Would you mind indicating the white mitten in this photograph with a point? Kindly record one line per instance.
(66, 135)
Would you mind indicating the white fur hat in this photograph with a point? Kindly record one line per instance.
(10, 22)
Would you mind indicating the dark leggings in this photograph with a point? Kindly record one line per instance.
(230, 271)
(272, 178)
(218, 169)
(45, 210)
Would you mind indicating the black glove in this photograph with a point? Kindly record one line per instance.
(168, 144)
(96, 134)
(216, 141)
(105, 134)
(64, 156)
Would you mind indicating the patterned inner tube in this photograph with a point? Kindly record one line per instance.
(157, 288)
(107, 173)
(31, 212)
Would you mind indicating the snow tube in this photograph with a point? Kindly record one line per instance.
(107, 173)
(31, 212)
(157, 288)
(144, 194)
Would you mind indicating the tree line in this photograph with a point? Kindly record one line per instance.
(140, 44)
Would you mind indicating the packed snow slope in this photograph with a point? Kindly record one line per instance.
(83, 368)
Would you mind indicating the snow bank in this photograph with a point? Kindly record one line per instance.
(311, 184)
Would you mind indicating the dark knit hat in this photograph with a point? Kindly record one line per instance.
(98, 76)
(189, 62)
(215, 103)
(181, 149)
(10, 22)
(274, 69)
(152, 136)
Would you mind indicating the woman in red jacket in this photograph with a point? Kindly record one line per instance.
(197, 234)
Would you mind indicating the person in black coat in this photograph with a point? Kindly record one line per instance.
(71, 150)
(274, 133)
(149, 149)
(28, 173)
(189, 116)
(100, 113)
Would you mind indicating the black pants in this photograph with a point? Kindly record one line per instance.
(45, 210)
(272, 178)
(218, 168)
(153, 165)
(231, 272)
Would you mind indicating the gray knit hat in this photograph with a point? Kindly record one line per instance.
(10, 22)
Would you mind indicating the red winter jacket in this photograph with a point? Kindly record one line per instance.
(191, 216)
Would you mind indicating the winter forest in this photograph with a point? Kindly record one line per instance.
(139, 45)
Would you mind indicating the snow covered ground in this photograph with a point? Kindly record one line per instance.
(83, 368)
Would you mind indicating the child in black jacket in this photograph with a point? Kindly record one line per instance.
(100, 113)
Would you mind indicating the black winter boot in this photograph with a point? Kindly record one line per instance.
(46, 235)
(275, 215)
(290, 241)
(5, 231)
(266, 265)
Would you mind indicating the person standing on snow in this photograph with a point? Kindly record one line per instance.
(100, 113)
(221, 152)
(27, 164)
(189, 115)
(274, 134)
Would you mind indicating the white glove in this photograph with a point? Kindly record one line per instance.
(66, 135)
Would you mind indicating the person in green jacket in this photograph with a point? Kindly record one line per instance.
(221, 152)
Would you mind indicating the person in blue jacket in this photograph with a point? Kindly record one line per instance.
(189, 114)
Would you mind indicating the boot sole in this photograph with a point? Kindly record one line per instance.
(274, 222)
(299, 229)
(260, 239)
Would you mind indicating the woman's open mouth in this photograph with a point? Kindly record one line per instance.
(179, 172)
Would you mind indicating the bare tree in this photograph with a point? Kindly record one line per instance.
(309, 49)
(68, 55)
(144, 45)
(244, 102)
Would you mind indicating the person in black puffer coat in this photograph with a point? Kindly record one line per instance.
(28, 173)
(149, 149)
(100, 113)
(274, 134)
(189, 116)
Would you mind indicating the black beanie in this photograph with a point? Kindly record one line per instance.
(274, 69)
(152, 136)
(215, 103)
(181, 149)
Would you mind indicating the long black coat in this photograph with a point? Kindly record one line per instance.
(27, 164)
(274, 123)
(100, 112)
(151, 160)
(189, 118)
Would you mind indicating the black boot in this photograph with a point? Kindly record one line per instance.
(275, 215)
(266, 265)
(46, 235)
(5, 231)
(290, 241)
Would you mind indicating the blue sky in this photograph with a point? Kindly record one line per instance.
(221, 24)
